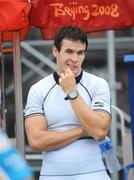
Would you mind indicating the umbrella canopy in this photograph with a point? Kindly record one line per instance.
(14, 16)
(90, 15)
(50, 15)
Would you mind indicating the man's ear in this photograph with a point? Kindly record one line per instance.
(54, 51)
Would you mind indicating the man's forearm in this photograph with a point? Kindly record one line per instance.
(96, 124)
(52, 140)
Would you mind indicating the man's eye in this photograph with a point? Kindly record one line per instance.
(81, 53)
(69, 52)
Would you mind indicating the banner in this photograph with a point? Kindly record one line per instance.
(90, 15)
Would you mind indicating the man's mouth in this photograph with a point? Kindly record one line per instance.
(71, 66)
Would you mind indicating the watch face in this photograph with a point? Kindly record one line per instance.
(73, 94)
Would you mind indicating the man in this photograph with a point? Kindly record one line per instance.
(68, 112)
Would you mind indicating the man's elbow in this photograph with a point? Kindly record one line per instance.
(37, 147)
(101, 134)
(34, 146)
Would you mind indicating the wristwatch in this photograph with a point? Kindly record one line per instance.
(72, 95)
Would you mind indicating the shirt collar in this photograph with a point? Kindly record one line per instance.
(56, 77)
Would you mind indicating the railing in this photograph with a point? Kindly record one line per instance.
(122, 129)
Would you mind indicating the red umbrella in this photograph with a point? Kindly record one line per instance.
(90, 15)
(14, 16)
(14, 19)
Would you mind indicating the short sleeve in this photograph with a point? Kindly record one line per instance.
(101, 100)
(34, 105)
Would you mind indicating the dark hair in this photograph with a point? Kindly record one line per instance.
(72, 33)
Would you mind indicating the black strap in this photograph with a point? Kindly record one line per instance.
(86, 137)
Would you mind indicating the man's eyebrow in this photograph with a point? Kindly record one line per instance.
(81, 50)
(69, 49)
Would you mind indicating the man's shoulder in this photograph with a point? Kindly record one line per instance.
(44, 84)
(88, 76)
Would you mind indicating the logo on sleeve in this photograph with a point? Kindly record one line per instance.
(98, 104)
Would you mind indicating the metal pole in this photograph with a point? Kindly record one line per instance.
(112, 78)
(112, 74)
(18, 93)
(2, 86)
(3, 112)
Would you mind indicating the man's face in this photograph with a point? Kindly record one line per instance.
(71, 55)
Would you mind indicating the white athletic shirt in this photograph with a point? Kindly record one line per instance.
(46, 97)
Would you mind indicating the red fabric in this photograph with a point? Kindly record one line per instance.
(90, 15)
(7, 36)
(13, 14)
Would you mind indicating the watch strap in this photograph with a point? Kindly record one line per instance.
(68, 96)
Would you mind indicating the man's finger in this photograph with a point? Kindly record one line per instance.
(62, 75)
(69, 71)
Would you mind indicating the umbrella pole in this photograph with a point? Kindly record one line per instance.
(2, 88)
(18, 93)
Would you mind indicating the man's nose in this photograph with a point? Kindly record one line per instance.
(75, 57)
